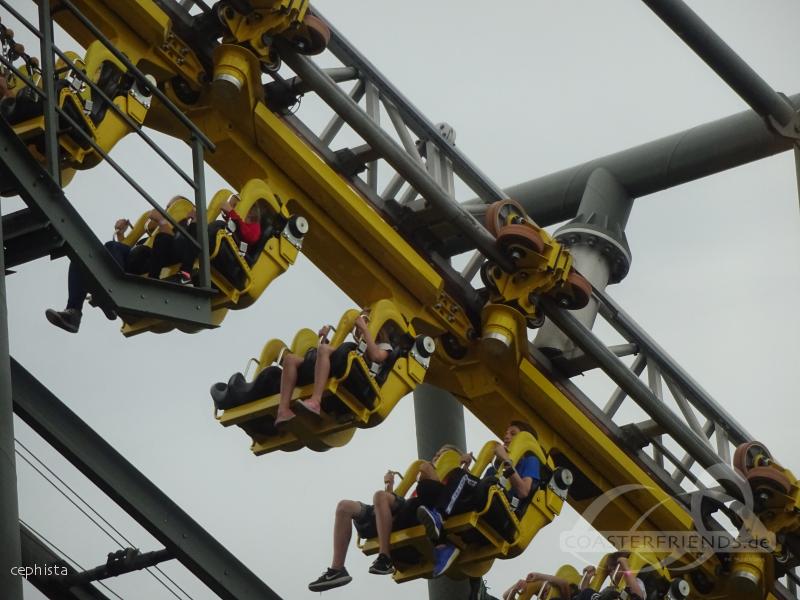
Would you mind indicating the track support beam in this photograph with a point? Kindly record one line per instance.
(10, 553)
(713, 50)
(181, 535)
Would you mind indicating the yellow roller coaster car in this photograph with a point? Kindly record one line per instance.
(356, 396)
(495, 531)
(93, 120)
(239, 274)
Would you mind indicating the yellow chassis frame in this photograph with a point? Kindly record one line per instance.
(364, 256)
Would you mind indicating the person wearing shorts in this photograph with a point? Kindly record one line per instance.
(388, 510)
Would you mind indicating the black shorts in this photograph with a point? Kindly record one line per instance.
(305, 372)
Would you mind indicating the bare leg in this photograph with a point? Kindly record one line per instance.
(288, 380)
(383, 519)
(343, 530)
(322, 370)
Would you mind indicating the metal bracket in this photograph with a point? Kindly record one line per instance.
(425, 361)
(790, 131)
(557, 490)
(295, 241)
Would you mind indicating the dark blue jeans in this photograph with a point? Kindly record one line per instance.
(137, 262)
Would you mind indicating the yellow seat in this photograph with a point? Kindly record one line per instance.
(246, 276)
(546, 591)
(645, 564)
(494, 531)
(91, 114)
(355, 398)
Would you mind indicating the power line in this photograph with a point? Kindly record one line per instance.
(117, 531)
(45, 542)
(88, 516)
(66, 485)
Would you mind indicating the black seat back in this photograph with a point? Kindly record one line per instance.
(112, 82)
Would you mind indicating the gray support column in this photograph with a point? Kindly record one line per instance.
(10, 553)
(596, 239)
(192, 545)
(439, 418)
(49, 89)
(723, 60)
(654, 166)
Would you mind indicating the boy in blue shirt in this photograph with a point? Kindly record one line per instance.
(523, 481)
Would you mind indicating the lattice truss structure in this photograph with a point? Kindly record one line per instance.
(378, 216)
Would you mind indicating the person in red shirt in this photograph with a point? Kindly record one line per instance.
(248, 230)
(245, 232)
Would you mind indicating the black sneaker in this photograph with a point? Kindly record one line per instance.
(383, 565)
(332, 578)
(110, 313)
(68, 319)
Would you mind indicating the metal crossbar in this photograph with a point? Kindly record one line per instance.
(114, 165)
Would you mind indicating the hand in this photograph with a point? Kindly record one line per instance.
(323, 332)
(466, 459)
(226, 207)
(388, 479)
(360, 323)
(192, 215)
(501, 452)
(589, 570)
(533, 577)
(121, 225)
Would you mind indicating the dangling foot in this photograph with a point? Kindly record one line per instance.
(332, 578)
(284, 417)
(311, 405)
(382, 565)
(443, 558)
(68, 319)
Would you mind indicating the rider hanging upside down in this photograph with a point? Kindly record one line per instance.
(376, 352)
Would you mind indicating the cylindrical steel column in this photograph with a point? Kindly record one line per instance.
(658, 165)
(596, 239)
(10, 552)
(439, 418)
(726, 63)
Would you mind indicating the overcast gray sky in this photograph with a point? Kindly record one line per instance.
(530, 87)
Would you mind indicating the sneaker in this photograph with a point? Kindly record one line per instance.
(332, 578)
(68, 319)
(383, 565)
(443, 558)
(432, 521)
(110, 313)
(184, 278)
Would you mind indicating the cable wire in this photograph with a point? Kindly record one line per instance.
(88, 516)
(44, 542)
